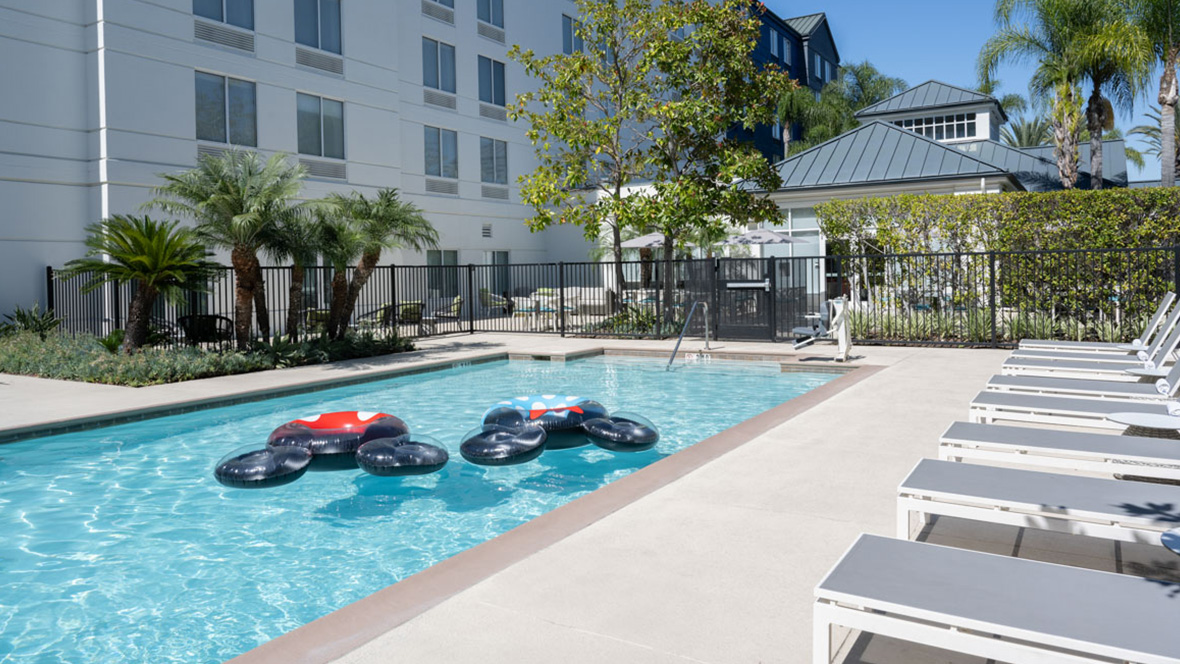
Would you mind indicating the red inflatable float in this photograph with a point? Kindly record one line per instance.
(333, 438)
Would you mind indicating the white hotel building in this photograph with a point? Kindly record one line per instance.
(102, 96)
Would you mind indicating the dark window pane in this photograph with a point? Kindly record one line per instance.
(433, 158)
(333, 129)
(243, 113)
(308, 124)
(208, 9)
(938, 135)
(450, 154)
(502, 162)
(240, 13)
(498, 83)
(330, 25)
(484, 10)
(960, 131)
(446, 3)
(485, 80)
(446, 67)
(210, 107)
(567, 35)
(498, 13)
(487, 160)
(971, 128)
(307, 23)
(429, 63)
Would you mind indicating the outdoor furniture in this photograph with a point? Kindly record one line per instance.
(490, 302)
(1097, 346)
(1148, 425)
(206, 328)
(453, 311)
(994, 607)
(316, 320)
(1158, 390)
(389, 316)
(1070, 451)
(1094, 507)
(1068, 411)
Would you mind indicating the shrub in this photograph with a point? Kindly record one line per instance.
(30, 320)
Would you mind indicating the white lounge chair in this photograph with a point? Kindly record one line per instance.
(994, 607)
(1129, 353)
(1103, 347)
(990, 407)
(1159, 354)
(1071, 451)
(1094, 507)
(1160, 389)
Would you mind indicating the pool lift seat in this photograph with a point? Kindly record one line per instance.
(835, 315)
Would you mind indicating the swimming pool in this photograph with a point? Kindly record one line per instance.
(118, 544)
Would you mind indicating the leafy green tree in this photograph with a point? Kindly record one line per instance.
(1160, 20)
(236, 200)
(1155, 140)
(1026, 132)
(384, 222)
(293, 239)
(857, 86)
(157, 257)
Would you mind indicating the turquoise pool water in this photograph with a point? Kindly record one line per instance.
(118, 545)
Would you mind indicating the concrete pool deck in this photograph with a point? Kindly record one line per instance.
(717, 565)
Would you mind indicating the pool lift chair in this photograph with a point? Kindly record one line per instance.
(835, 314)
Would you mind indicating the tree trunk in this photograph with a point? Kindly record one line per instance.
(645, 257)
(260, 308)
(1167, 98)
(669, 278)
(339, 296)
(360, 276)
(295, 301)
(1065, 137)
(138, 318)
(243, 261)
(620, 279)
(1095, 121)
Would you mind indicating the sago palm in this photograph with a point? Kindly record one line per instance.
(384, 222)
(1160, 20)
(236, 199)
(157, 257)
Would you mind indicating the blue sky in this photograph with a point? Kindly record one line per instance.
(919, 40)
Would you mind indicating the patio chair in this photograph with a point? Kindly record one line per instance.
(1160, 389)
(994, 607)
(1070, 451)
(1128, 353)
(1072, 504)
(316, 320)
(1157, 355)
(206, 328)
(990, 407)
(1149, 331)
(490, 302)
(453, 311)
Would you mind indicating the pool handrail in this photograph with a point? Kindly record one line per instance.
(684, 329)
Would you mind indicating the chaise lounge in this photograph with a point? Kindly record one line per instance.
(1149, 331)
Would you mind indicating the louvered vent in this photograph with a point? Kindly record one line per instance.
(216, 33)
(435, 10)
(490, 31)
(435, 186)
(495, 191)
(493, 112)
(319, 60)
(211, 150)
(487, 230)
(436, 98)
(325, 169)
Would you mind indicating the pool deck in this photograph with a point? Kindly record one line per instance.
(716, 565)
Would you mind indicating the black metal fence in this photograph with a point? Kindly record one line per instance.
(984, 299)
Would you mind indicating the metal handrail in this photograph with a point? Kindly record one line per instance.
(684, 329)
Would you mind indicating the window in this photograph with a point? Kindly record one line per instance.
(317, 24)
(776, 131)
(787, 48)
(571, 42)
(491, 81)
(831, 71)
(774, 37)
(226, 110)
(818, 69)
(320, 126)
(438, 65)
(442, 153)
(444, 279)
(493, 161)
(446, 3)
(233, 12)
(491, 11)
(942, 127)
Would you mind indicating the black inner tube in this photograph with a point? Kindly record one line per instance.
(392, 457)
(620, 434)
(494, 445)
(264, 467)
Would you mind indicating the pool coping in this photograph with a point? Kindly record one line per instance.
(332, 636)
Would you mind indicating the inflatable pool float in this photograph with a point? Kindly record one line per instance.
(254, 468)
(622, 432)
(561, 416)
(409, 454)
(504, 444)
(334, 438)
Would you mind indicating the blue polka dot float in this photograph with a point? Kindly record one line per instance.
(518, 430)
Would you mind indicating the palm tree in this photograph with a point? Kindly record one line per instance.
(236, 199)
(1026, 132)
(1050, 37)
(340, 243)
(158, 257)
(385, 222)
(1160, 20)
(1010, 102)
(293, 240)
(1155, 138)
(858, 85)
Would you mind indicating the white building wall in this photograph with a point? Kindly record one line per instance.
(52, 180)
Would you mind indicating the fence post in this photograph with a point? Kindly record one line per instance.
(1176, 267)
(471, 298)
(772, 297)
(561, 297)
(118, 288)
(715, 297)
(49, 303)
(991, 292)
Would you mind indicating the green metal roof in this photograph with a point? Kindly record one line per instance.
(805, 25)
(1034, 172)
(929, 95)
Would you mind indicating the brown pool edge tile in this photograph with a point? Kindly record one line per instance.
(347, 629)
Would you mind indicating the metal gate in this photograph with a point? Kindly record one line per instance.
(745, 299)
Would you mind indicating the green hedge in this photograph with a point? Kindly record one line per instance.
(1076, 219)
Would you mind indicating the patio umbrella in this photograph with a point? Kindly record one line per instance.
(760, 236)
(649, 241)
